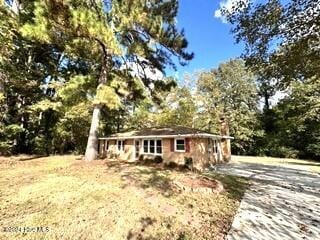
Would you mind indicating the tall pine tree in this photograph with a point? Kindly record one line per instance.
(111, 34)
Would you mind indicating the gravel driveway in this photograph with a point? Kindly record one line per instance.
(283, 202)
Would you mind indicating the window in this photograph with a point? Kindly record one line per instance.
(145, 146)
(159, 146)
(152, 146)
(120, 145)
(179, 145)
(213, 146)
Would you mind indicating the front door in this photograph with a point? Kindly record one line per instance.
(136, 148)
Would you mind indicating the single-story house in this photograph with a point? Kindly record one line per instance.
(172, 144)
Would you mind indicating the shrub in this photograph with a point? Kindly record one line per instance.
(313, 150)
(141, 158)
(5, 148)
(158, 159)
(188, 162)
(283, 152)
(150, 159)
(171, 165)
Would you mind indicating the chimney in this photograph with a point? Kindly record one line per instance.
(225, 142)
(224, 126)
(209, 125)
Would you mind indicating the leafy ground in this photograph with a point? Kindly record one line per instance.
(108, 200)
(297, 163)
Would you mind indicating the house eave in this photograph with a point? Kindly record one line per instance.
(197, 135)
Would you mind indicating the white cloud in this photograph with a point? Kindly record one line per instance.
(227, 4)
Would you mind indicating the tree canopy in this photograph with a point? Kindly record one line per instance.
(282, 49)
(86, 49)
(281, 39)
(231, 91)
(75, 68)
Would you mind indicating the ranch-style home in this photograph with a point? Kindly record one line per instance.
(172, 144)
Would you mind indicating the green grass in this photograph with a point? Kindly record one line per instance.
(297, 163)
(109, 200)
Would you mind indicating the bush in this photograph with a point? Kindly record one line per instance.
(283, 152)
(313, 150)
(5, 148)
(158, 159)
(188, 162)
(171, 165)
(150, 159)
(40, 145)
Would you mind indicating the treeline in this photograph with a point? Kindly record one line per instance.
(54, 73)
(282, 48)
(289, 127)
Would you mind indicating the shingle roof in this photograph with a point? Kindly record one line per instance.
(176, 130)
(163, 131)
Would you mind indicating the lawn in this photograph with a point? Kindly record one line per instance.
(72, 199)
(307, 165)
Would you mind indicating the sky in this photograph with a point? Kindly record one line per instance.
(208, 35)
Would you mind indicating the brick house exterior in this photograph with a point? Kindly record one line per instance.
(172, 144)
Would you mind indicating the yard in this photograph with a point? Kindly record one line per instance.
(72, 199)
(307, 165)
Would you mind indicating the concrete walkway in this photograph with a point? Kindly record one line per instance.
(283, 202)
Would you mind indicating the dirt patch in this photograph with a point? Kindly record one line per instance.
(199, 184)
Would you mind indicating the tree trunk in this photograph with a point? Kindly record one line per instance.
(92, 145)
(266, 101)
(118, 123)
(2, 77)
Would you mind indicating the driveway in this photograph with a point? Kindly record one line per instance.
(283, 202)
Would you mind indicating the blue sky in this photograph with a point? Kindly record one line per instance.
(209, 38)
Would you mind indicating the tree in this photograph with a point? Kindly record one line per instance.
(298, 120)
(142, 115)
(24, 66)
(178, 108)
(109, 35)
(281, 39)
(282, 47)
(230, 91)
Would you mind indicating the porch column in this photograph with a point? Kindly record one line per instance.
(106, 149)
(101, 148)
